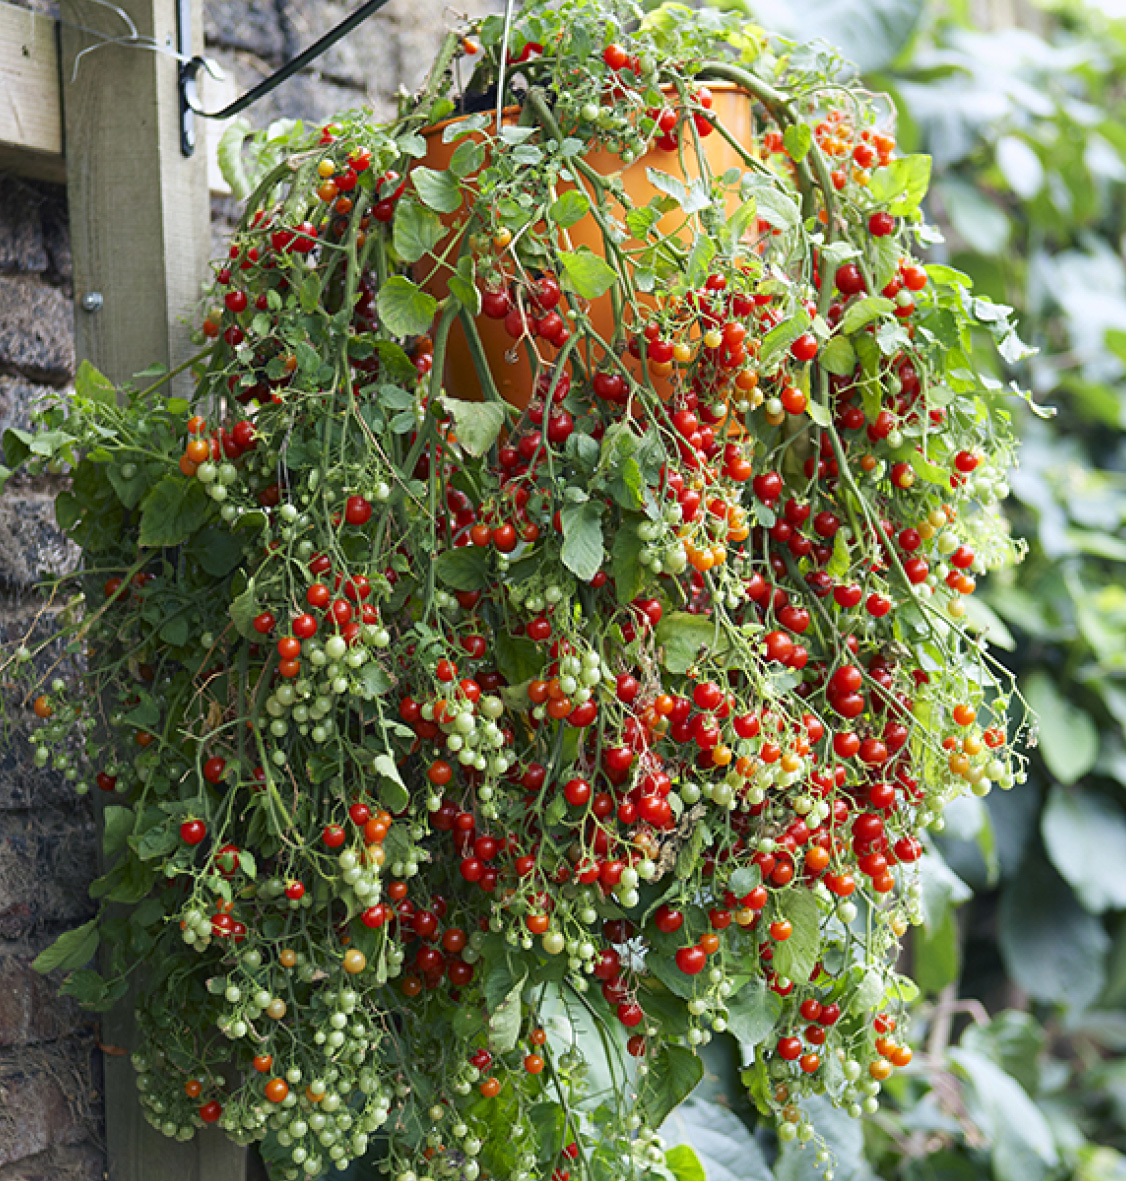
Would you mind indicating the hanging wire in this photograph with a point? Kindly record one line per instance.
(133, 39)
(190, 71)
(508, 8)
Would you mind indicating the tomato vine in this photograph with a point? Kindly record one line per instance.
(458, 754)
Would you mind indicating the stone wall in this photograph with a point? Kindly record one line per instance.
(50, 1077)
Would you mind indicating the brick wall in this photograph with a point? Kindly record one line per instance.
(50, 1078)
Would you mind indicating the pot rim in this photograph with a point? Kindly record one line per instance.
(435, 128)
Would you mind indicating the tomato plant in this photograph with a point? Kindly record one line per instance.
(614, 702)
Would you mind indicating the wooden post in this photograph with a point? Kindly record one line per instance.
(140, 234)
(139, 214)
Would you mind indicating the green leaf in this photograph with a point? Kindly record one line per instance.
(627, 570)
(569, 208)
(467, 158)
(682, 636)
(404, 308)
(117, 824)
(684, 1164)
(864, 311)
(841, 559)
(723, 1143)
(797, 956)
(1068, 739)
(752, 1013)
(242, 612)
(838, 356)
(72, 949)
(173, 511)
(797, 141)
(1053, 949)
(674, 1073)
(464, 569)
(781, 336)
(1022, 1146)
(416, 231)
(394, 790)
(1085, 836)
(438, 190)
(587, 274)
(504, 1020)
(518, 658)
(463, 286)
(938, 954)
(773, 204)
(86, 986)
(477, 424)
(902, 184)
(230, 159)
(92, 384)
(217, 551)
(583, 550)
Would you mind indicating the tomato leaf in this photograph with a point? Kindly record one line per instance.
(93, 384)
(1085, 836)
(625, 566)
(902, 184)
(117, 824)
(467, 158)
(796, 957)
(463, 286)
(684, 1164)
(587, 274)
(242, 611)
(173, 511)
(682, 637)
(394, 790)
(773, 204)
(583, 550)
(864, 311)
(404, 308)
(416, 231)
(438, 190)
(838, 356)
(504, 1020)
(569, 208)
(477, 424)
(674, 1073)
(72, 949)
(464, 569)
(797, 140)
(752, 1013)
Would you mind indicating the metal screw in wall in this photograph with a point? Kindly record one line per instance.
(92, 301)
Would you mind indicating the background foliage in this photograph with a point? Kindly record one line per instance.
(1023, 957)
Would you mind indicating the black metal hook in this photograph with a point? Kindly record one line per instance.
(189, 71)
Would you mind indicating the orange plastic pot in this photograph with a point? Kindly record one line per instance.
(511, 367)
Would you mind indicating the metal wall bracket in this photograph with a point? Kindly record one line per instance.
(187, 77)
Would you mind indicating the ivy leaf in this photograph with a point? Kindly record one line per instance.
(1069, 741)
(583, 549)
(902, 184)
(797, 956)
(674, 1073)
(416, 232)
(838, 356)
(753, 1012)
(569, 209)
(438, 190)
(72, 949)
(404, 308)
(797, 141)
(464, 569)
(864, 311)
(477, 424)
(173, 511)
(1085, 835)
(587, 274)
